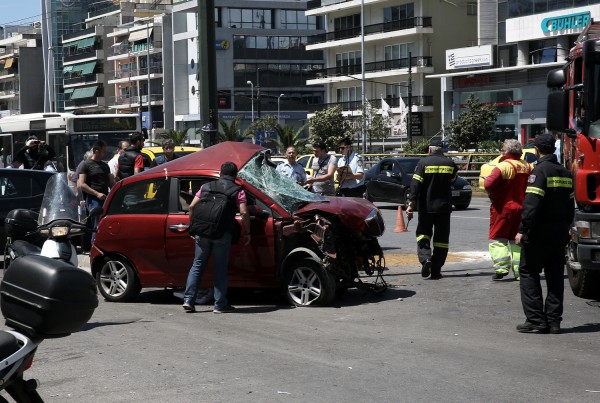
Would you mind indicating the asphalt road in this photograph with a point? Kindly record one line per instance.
(452, 340)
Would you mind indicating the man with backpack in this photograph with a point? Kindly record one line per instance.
(213, 225)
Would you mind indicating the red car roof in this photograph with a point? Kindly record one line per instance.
(212, 157)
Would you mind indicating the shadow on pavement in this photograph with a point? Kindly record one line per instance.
(93, 325)
(587, 328)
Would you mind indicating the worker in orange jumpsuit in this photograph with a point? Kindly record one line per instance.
(506, 188)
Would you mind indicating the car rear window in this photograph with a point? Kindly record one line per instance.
(19, 186)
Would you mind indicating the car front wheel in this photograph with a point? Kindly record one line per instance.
(308, 284)
(117, 281)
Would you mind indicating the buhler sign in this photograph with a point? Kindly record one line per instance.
(563, 22)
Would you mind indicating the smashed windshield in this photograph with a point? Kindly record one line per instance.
(284, 191)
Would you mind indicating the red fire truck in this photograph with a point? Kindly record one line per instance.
(574, 111)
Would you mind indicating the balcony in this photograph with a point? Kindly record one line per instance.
(373, 67)
(417, 101)
(89, 102)
(126, 101)
(135, 50)
(109, 9)
(77, 34)
(85, 79)
(89, 53)
(397, 25)
(4, 94)
(136, 74)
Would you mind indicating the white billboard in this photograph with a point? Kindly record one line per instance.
(474, 56)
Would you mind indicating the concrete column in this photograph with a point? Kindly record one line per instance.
(563, 46)
(522, 54)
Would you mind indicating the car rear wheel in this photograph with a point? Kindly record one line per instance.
(308, 284)
(117, 281)
(461, 206)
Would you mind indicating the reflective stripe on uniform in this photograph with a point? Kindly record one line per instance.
(534, 190)
(423, 237)
(572, 195)
(439, 169)
(559, 182)
(440, 245)
(417, 178)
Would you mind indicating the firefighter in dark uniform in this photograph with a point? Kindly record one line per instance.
(431, 193)
(548, 211)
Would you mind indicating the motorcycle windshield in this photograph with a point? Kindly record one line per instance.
(61, 201)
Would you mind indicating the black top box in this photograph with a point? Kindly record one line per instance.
(47, 298)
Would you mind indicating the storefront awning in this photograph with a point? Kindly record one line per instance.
(83, 68)
(67, 69)
(9, 62)
(87, 92)
(139, 35)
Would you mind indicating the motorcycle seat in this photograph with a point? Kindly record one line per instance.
(24, 248)
(9, 345)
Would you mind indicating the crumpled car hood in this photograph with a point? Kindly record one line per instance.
(351, 211)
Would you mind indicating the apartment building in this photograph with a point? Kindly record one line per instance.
(393, 30)
(21, 73)
(262, 61)
(520, 41)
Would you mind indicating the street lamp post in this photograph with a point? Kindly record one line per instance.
(258, 92)
(278, 108)
(251, 96)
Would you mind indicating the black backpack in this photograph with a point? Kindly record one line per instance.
(215, 212)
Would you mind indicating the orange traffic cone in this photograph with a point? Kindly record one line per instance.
(400, 226)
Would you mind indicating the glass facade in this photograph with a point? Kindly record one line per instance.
(64, 17)
(521, 8)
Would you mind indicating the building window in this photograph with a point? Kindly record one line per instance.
(346, 22)
(269, 42)
(399, 51)
(348, 63)
(250, 18)
(472, 8)
(295, 19)
(350, 94)
(401, 12)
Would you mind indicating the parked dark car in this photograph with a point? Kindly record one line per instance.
(308, 245)
(20, 189)
(389, 181)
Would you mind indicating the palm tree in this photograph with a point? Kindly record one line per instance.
(231, 132)
(177, 137)
(288, 137)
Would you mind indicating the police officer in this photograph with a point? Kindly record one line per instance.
(350, 171)
(431, 193)
(548, 211)
(131, 160)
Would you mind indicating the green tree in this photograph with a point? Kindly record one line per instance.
(177, 137)
(420, 146)
(474, 125)
(288, 137)
(231, 132)
(329, 126)
(375, 124)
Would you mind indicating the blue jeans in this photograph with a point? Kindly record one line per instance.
(219, 249)
(92, 203)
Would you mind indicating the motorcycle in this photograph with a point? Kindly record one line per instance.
(48, 233)
(40, 298)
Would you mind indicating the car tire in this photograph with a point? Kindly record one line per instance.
(461, 206)
(584, 283)
(308, 284)
(117, 281)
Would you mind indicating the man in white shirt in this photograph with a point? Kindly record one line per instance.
(291, 168)
(112, 164)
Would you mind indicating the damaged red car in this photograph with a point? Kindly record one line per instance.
(305, 244)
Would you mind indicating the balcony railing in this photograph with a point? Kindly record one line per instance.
(8, 72)
(8, 92)
(312, 4)
(135, 100)
(372, 67)
(389, 26)
(88, 78)
(135, 49)
(81, 32)
(80, 102)
(157, 69)
(420, 100)
(105, 10)
(80, 55)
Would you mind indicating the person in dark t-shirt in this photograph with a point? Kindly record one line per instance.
(95, 179)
